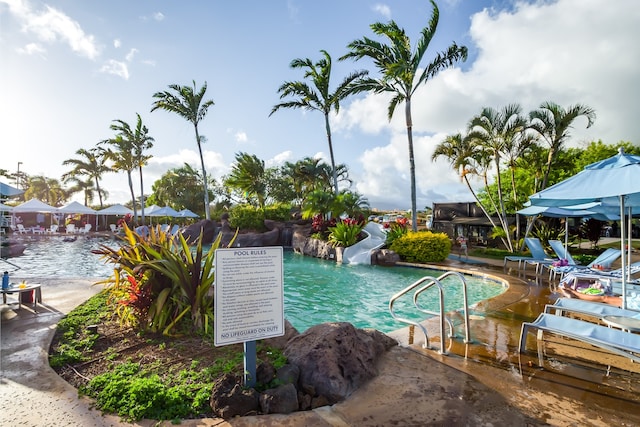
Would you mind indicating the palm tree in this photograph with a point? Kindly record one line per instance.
(91, 163)
(188, 103)
(248, 175)
(139, 141)
(318, 97)
(120, 151)
(401, 74)
(553, 122)
(46, 189)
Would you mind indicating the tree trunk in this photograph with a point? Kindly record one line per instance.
(333, 162)
(412, 165)
(207, 215)
(133, 196)
(141, 195)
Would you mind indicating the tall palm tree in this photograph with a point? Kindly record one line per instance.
(90, 163)
(553, 123)
(400, 73)
(318, 97)
(188, 103)
(120, 152)
(139, 141)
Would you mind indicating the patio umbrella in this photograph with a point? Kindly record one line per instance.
(5, 208)
(566, 212)
(8, 191)
(186, 213)
(165, 211)
(611, 182)
(77, 208)
(115, 210)
(35, 205)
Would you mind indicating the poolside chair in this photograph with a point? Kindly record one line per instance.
(605, 259)
(588, 308)
(174, 229)
(70, 228)
(536, 249)
(85, 229)
(53, 229)
(616, 341)
(21, 229)
(561, 254)
(606, 277)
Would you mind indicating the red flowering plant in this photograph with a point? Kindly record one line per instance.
(345, 233)
(396, 229)
(320, 226)
(135, 298)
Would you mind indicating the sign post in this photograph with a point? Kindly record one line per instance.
(249, 300)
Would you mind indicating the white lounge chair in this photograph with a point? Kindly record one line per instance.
(616, 341)
(85, 229)
(70, 228)
(588, 308)
(21, 229)
(53, 229)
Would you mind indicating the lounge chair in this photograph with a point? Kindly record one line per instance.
(174, 229)
(561, 254)
(53, 229)
(588, 308)
(85, 229)
(614, 340)
(605, 259)
(21, 229)
(536, 249)
(70, 228)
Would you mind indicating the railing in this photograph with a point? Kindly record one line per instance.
(427, 283)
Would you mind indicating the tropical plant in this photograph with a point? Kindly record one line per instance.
(248, 176)
(49, 190)
(181, 188)
(395, 230)
(400, 73)
(119, 151)
(318, 97)
(90, 163)
(553, 123)
(158, 279)
(345, 232)
(139, 141)
(188, 103)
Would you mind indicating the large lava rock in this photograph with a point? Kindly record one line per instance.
(206, 227)
(229, 399)
(336, 358)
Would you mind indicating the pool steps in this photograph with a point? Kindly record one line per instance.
(427, 282)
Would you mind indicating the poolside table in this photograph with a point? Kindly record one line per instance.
(30, 287)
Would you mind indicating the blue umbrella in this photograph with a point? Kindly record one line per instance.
(8, 191)
(611, 182)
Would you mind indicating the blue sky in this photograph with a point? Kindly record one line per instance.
(69, 67)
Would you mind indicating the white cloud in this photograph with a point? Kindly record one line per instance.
(241, 136)
(131, 54)
(117, 43)
(566, 51)
(158, 16)
(383, 10)
(279, 159)
(32, 49)
(51, 25)
(117, 68)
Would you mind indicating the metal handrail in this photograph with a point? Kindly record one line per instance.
(427, 283)
(406, 290)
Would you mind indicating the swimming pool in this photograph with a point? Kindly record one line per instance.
(316, 291)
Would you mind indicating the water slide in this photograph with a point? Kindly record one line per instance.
(360, 253)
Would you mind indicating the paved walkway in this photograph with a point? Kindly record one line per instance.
(411, 389)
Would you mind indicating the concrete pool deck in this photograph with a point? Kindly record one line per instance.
(482, 383)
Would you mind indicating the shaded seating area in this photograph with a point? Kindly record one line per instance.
(537, 253)
(604, 260)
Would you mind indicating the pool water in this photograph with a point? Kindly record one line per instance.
(316, 291)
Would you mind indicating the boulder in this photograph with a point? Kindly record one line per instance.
(281, 342)
(385, 257)
(280, 400)
(335, 359)
(229, 399)
(206, 227)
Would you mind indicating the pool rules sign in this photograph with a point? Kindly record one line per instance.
(249, 294)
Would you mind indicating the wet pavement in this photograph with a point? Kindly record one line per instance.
(485, 382)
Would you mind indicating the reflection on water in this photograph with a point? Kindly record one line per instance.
(316, 291)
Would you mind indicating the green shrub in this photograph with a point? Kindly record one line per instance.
(278, 212)
(422, 246)
(246, 217)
